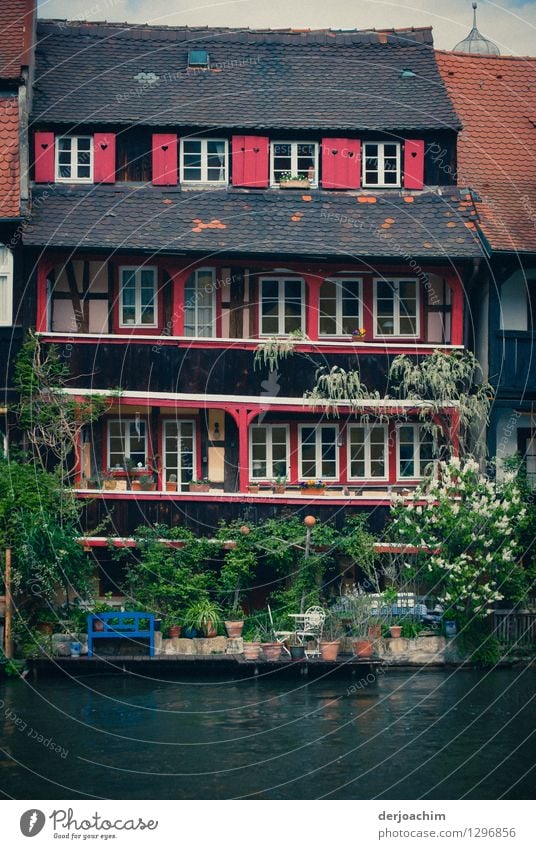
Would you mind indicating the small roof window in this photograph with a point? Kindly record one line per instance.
(198, 59)
(407, 74)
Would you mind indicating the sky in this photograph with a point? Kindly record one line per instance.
(509, 23)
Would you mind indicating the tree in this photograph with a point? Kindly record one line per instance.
(472, 528)
(40, 521)
(50, 418)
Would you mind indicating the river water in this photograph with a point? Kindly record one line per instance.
(411, 735)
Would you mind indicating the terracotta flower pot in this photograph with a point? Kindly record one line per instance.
(375, 632)
(279, 489)
(46, 628)
(252, 651)
(272, 651)
(98, 625)
(312, 490)
(395, 631)
(210, 630)
(329, 649)
(254, 488)
(234, 628)
(171, 487)
(199, 487)
(136, 486)
(363, 648)
(175, 631)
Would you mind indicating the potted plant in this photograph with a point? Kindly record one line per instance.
(202, 485)
(312, 487)
(46, 619)
(395, 631)
(330, 643)
(147, 483)
(254, 488)
(358, 605)
(358, 334)
(272, 650)
(297, 649)
(173, 630)
(252, 650)
(204, 616)
(279, 484)
(288, 180)
(234, 623)
(109, 482)
(171, 483)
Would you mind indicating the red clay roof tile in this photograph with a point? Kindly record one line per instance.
(15, 36)
(496, 99)
(9, 158)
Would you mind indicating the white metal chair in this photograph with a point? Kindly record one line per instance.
(279, 636)
(313, 626)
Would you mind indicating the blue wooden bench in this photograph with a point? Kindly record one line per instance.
(115, 625)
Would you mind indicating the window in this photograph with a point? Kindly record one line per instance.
(179, 450)
(367, 451)
(296, 158)
(137, 298)
(6, 286)
(199, 295)
(204, 160)
(74, 159)
(318, 452)
(127, 438)
(269, 451)
(415, 450)
(282, 306)
(397, 307)
(381, 164)
(340, 307)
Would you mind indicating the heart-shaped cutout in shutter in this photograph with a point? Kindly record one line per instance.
(414, 153)
(165, 147)
(44, 145)
(103, 146)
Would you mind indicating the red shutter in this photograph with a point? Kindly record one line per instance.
(341, 163)
(44, 158)
(250, 161)
(165, 159)
(104, 158)
(414, 164)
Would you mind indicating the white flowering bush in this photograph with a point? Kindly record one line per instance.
(472, 528)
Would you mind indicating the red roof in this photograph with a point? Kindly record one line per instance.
(495, 98)
(16, 31)
(9, 158)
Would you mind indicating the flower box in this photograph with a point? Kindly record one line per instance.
(199, 487)
(313, 490)
(294, 184)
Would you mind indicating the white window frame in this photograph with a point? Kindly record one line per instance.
(126, 423)
(381, 184)
(74, 159)
(196, 305)
(293, 159)
(281, 280)
(204, 163)
(340, 283)
(417, 430)
(396, 308)
(269, 455)
(368, 428)
(137, 306)
(6, 270)
(179, 422)
(318, 428)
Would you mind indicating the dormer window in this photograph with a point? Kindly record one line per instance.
(74, 159)
(204, 160)
(297, 159)
(381, 164)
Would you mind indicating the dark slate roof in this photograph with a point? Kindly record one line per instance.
(268, 222)
(348, 80)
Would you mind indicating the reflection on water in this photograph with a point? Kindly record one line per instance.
(435, 735)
